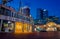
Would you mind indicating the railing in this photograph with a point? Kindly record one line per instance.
(12, 18)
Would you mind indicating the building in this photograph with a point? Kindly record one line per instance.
(53, 19)
(26, 23)
(24, 26)
(39, 22)
(25, 10)
(6, 19)
(42, 13)
(12, 21)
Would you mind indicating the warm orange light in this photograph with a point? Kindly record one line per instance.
(22, 27)
(30, 28)
(50, 29)
(51, 24)
(25, 27)
(18, 27)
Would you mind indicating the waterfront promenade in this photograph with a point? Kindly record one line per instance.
(34, 35)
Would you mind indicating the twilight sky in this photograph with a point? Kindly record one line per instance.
(53, 6)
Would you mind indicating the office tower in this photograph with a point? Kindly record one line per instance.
(42, 13)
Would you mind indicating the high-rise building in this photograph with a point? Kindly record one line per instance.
(26, 11)
(42, 13)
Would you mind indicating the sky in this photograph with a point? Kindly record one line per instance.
(53, 6)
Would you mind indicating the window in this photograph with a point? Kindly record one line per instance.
(12, 14)
(8, 13)
(7, 26)
(19, 16)
(2, 10)
(28, 19)
(4, 26)
(15, 15)
(5, 11)
(0, 25)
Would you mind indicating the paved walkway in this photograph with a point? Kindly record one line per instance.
(41, 35)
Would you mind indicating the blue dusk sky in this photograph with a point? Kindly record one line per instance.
(53, 6)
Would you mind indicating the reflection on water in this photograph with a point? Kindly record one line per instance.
(40, 35)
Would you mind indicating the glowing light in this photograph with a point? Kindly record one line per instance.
(35, 29)
(50, 29)
(44, 10)
(44, 25)
(30, 28)
(18, 27)
(25, 27)
(51, 24)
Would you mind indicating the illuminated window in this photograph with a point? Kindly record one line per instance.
(18, 27)
(30, 28)
(25, 27)
(7, 27)
(0, 25)
(22, 27)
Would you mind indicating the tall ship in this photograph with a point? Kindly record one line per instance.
(15, 22)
